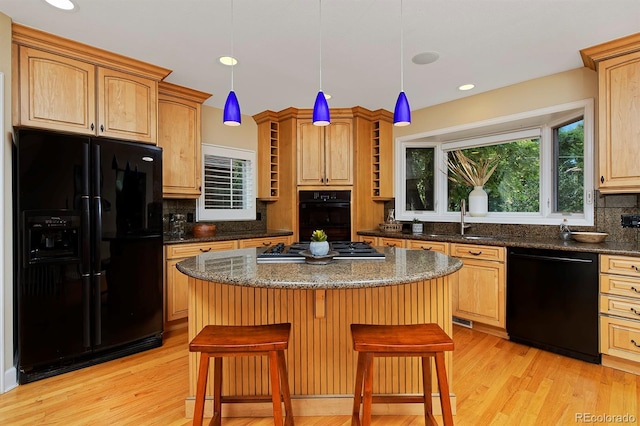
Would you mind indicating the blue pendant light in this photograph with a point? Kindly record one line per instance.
(321, 111)
(402, 112)
(231, 115)
(321, 116)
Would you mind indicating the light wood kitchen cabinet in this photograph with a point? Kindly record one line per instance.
(56, 92)
(176, 303)
(268, 156)
(263, 242)
(438, 246)
(64, 85)
(127, 106)
(325, 154)
(179, 135)
(293, 154)
(373, 241)
(620, 312)
(618, 66)
(391, 242)
(478, 289)
(381, 159)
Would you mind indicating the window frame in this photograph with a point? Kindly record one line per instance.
(489, 132)
(220, 215)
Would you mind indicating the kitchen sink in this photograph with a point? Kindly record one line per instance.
(477, 237)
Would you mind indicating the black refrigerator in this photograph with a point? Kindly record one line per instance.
(88, 251)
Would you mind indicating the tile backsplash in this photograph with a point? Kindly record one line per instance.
(608, 210)
(188, 208)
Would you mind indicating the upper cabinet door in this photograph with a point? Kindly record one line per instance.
(619, 112)
(127, 106)
(325, 154)
(56, 92)
(179, 136)
(339, 153)
(310, 154)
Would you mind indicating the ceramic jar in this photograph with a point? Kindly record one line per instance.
(319, 248)
(478, 202)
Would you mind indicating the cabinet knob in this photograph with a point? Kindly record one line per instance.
(102, 127)
(601, 179)
(92, 126)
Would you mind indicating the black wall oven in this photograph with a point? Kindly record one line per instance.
(326, 210)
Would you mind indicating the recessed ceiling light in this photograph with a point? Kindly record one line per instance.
(228, 60)
(62, 4)
(425, 58)
(466, 87)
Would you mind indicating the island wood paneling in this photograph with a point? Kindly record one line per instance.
(320, 359)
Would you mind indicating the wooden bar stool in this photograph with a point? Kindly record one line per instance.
(419, 340)
(220, 341)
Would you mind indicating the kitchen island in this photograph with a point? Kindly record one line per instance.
(320, 301)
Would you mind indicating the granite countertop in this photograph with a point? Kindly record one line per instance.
(225, 236)
(606, 247)
(239, 267)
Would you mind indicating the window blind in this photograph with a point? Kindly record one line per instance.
(227, 183)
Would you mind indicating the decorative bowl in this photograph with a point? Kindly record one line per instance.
(202, 230)
(318, 260)
(589, 237)
(391, 227)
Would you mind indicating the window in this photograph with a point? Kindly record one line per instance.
(228, 184)
(544, 173)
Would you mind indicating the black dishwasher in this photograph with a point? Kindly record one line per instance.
(552, 301)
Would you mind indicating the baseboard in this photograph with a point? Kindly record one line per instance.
(621, 364)
(10, 380)
(333, 405)
(490, 329)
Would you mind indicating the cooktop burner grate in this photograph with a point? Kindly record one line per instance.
(346, 250)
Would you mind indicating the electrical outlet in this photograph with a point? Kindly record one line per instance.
(630, 221)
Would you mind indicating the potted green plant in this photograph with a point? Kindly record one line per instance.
(475, 174)
(319, 245)
(417, 226)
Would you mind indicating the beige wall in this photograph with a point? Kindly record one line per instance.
(6, 275)
(556, 89)
(214, 132)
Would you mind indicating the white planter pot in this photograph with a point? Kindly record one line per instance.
(417, 228)
(319, 248)
(478, 202)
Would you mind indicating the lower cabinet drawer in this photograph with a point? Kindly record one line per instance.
(620, 306)
(620, 337)
(193, 249)
(438, 246)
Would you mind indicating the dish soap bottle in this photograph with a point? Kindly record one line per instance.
(565, 232)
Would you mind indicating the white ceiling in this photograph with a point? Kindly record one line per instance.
(491, 43)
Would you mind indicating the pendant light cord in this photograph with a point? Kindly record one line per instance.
(320, 31)
(233, 58)
(401, 50)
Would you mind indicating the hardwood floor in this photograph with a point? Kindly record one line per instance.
(496, 382)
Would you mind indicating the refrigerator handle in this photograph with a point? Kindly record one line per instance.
(86, 310)
(97, 240)
(97, 209)
(97, 316)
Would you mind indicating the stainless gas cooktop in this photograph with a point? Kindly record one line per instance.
(347, 250)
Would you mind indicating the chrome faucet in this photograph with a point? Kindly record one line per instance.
(463, 209)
